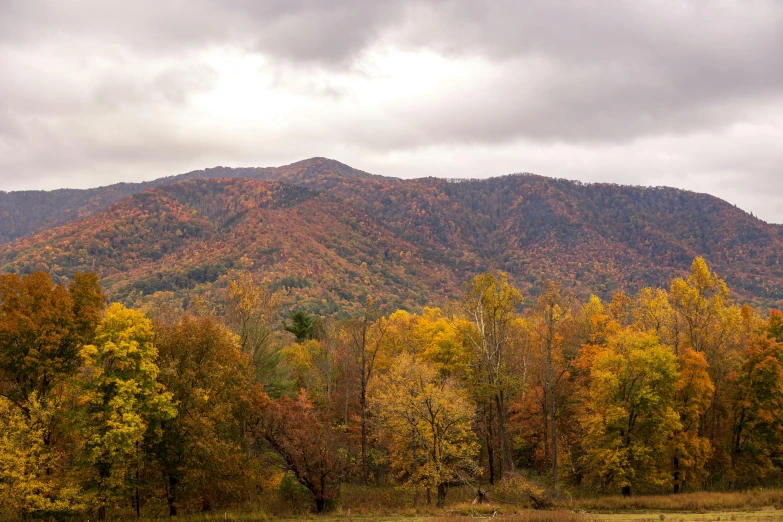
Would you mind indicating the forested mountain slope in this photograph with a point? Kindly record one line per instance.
(331, 235)
(189, 235)
(600, 237)
(28, 211)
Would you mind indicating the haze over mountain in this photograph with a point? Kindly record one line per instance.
(331, 235)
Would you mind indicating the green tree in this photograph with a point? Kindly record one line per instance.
(302, 325)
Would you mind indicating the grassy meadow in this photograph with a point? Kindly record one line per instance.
(386, 504)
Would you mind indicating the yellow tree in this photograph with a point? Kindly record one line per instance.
(312, 366)
(775, 325)
(490, 304)
(630, 417)
(714, 326)
(251, 310)
(121, 404)
(440, 342)
(652, 311)
(700, 300)
(426, 423)
(430, 336)
(33, 477)
(550, 324)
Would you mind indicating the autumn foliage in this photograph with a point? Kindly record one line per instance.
(330, 235)
(311, 449)
(105, 411)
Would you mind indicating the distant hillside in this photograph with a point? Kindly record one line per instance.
(190, 235)
(28, 211)
(330, 235)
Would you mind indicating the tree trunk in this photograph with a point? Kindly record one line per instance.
(506, 458)
(171, 496)
(136, 496)
(363, 403)
(320, 505)
(329, 377)
(488, 420)
(490, 460)
(365, 470)
(676, 476)
(552, 412)
(415, 452)
(626, 491)
(104, 471)
(441, 494)
(545, 414)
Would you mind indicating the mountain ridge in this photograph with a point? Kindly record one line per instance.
(596, 237)
(49, 208)
(193, 233)
(60, 206)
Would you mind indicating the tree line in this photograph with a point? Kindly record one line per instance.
(108, 409)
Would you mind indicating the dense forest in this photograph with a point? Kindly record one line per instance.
(110, 410)
(331, 235)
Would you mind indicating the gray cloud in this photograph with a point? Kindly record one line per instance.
(301, 30)
(687, 93)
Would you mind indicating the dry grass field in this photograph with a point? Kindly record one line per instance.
(379, 504)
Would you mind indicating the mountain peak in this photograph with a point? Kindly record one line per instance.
(319, 166)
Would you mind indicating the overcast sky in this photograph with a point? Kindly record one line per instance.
(650, 92)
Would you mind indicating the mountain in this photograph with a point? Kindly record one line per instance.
(330, 235)
(28, 211)
(187, 236)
